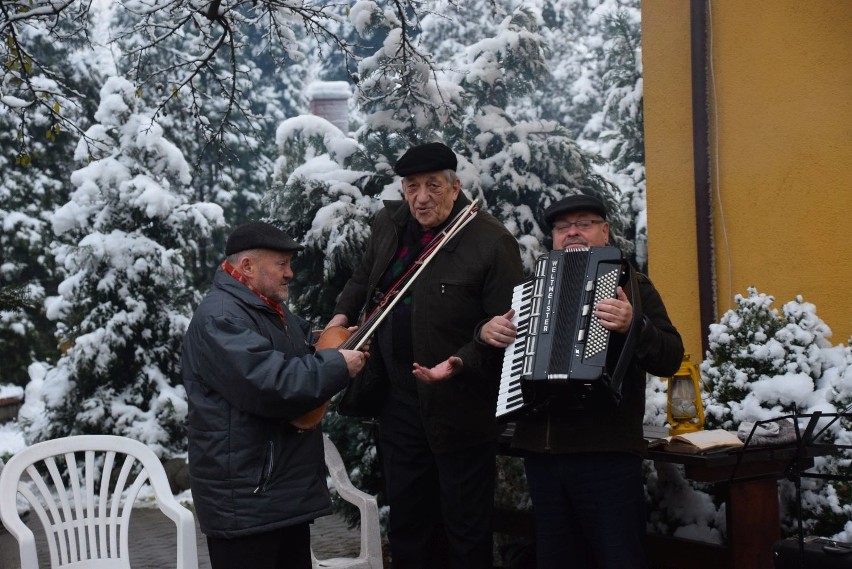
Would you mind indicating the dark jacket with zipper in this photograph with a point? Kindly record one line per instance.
(247, 375)
(600, 424)
(468, 281)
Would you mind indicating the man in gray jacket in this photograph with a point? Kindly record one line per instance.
(249, 371)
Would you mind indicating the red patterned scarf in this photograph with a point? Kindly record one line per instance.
(231, 270)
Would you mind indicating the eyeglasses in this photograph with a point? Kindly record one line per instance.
(582, 224)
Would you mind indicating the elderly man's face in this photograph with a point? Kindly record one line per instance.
(430, 197)
(270, 273)
(579, 229)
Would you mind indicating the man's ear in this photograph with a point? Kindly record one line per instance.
(245, 265)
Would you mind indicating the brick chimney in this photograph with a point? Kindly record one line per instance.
(330, 100)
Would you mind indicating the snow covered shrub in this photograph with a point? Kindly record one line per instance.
(763, 364)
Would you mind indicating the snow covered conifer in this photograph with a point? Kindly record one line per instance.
(122, 309)
(738, 354)
(761, 363)
(36, 158)
(523, 162)
(319, 198)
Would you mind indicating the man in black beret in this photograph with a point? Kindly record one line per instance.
(575, 203)
(257, 473)
(437, 427)
(429, 157)
(259, 235)
(584, 465)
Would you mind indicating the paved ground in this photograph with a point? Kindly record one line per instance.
(153, 542)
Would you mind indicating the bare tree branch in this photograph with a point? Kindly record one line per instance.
(194, 52)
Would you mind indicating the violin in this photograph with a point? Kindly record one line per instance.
(331, 337)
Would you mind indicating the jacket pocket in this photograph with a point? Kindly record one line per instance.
(460, 298)
(265, 468)
(454, 291)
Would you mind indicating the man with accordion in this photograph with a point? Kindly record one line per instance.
(583, 447)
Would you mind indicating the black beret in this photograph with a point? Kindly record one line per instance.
(259, 235)
(428, 157)
(577, 202)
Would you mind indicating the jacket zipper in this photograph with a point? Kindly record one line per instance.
(266, 469)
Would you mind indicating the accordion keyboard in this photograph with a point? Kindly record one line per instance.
(509, 398)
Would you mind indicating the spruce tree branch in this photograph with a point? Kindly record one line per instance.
(14, 297)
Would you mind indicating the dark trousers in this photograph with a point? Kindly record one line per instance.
(284, 548)
(589, 510)
(441, 504)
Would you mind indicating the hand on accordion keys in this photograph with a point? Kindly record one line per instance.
(500, 331)
(615, 314)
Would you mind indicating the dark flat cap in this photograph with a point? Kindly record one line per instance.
(259, 235)
(577, 202)
(428, 157)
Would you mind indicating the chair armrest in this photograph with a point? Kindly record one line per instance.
(371, 540)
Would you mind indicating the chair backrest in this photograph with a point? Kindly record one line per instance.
(83, 489)
(370, 556)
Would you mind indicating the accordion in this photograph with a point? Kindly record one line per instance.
(561, 348)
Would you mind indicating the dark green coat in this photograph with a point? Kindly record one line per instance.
(468, 281)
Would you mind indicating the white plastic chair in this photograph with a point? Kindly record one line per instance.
(370, 556)
(83, 490)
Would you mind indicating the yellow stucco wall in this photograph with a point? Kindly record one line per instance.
(781, 155)
(672, 263)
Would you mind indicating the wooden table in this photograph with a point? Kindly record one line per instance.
(749, 483)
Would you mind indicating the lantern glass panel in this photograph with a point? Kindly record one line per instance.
(682, 398)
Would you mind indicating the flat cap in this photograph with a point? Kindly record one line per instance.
(577, 202)
(428, 157)
(259, 235)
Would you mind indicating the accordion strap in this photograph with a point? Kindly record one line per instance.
(622, 365)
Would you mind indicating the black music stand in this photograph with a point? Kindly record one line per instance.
(807, 446)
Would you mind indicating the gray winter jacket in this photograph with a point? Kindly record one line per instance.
(246, 376)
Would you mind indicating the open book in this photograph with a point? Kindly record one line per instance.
(702, 441)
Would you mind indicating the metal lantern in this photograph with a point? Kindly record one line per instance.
(685, 412)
